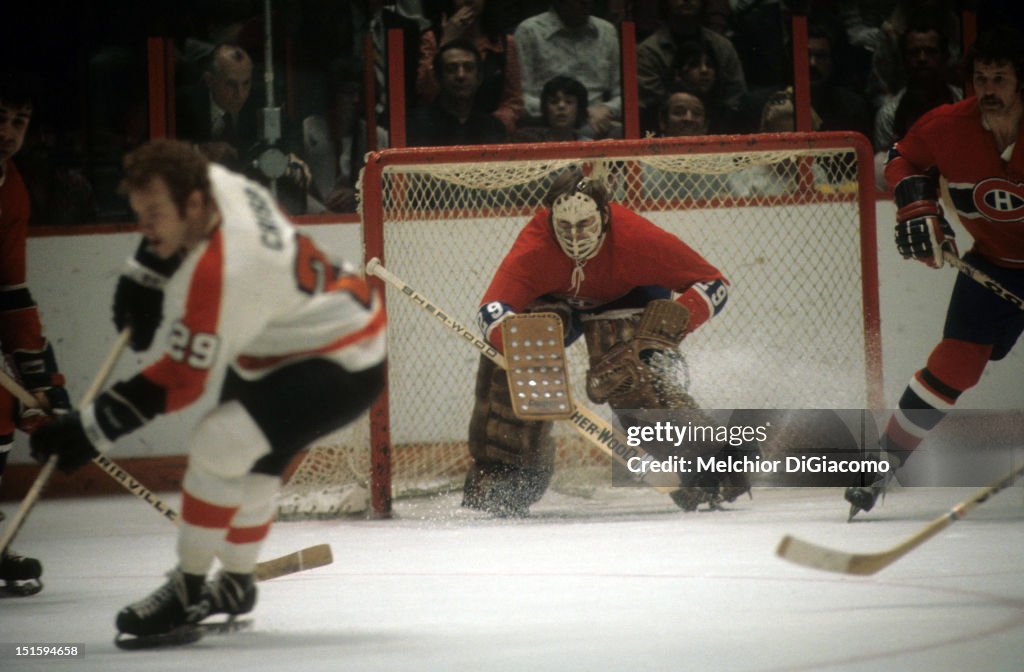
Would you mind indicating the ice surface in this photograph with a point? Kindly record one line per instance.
(624, 581)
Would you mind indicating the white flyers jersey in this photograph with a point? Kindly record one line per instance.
(261, 295)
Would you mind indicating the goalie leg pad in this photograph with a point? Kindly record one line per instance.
(496, 434)
(514, 458)
(503, 489)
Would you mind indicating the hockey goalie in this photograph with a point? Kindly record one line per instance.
(633, 291)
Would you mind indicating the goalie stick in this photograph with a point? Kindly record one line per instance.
(814, 556)
(585, 421)
(307, 558)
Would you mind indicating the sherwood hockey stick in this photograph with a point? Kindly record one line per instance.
(47, 471)
(818, 557)
(980, 277)
(586, 422)
(307, 558)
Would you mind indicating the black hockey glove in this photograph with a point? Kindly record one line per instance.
(922, 233)
(139, 297)
(138, 308)
(66, 438)
(38, 373)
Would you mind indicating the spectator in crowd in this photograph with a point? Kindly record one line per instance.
(455, 117)
(568, 40)
(360, 19)
(501, 87)
(563, 104)
(764, 40)
(925, 53)
(888, 65)
(695, 67)
(221, 117)
(840, 108)
(683, 112)
(777, 116)
(656, 55)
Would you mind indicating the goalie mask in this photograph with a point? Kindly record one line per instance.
(578, 224)
(579, 221)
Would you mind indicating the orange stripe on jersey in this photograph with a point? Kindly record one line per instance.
(369, 330)
(354, 285)
(248, 535)
(201, 513)
(179, 371)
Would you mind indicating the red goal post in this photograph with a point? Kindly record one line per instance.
(788, 218)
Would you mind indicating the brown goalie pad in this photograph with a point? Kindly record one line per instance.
(536, 370)
(496, 434)
(513, 458)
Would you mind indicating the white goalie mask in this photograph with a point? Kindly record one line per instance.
(578, 225)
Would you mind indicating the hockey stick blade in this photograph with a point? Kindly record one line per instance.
(814, 556)
(308, 558)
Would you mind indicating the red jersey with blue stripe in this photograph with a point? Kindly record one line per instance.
(987, 190)
(635, 253)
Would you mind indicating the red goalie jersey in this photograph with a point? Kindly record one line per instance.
(635, 255)
(987, 189)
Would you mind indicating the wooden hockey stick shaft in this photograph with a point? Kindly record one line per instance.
(46, 472)
(818, 557)
(307, 558)
(981, 277)
(585, 421)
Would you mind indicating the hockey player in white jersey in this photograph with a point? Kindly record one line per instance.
(294, 339)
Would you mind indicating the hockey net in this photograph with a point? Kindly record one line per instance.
(788, 218)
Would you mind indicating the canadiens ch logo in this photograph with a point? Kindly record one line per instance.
(1000, 200)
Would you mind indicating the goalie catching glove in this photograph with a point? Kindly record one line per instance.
(139, 297)
(624, 369)
(922, 233)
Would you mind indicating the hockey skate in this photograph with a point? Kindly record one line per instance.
(231, 594)
(864, 497)
(20, 575)
(167, 617)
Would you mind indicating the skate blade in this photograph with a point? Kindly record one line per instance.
(854, 510)
(233, 624)
(186, 634)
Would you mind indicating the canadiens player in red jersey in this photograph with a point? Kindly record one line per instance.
(26, 351)
(606, 271)
(976, 146)
(293, 338)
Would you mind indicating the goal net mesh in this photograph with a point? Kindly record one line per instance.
(780, 216)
